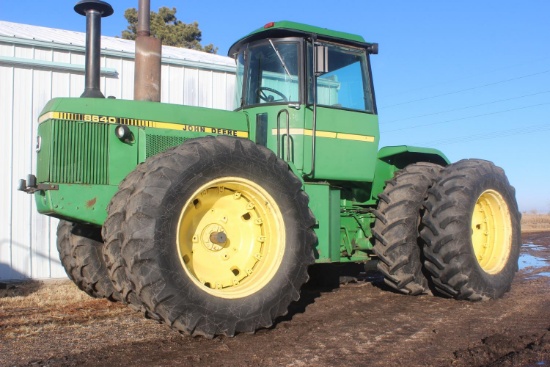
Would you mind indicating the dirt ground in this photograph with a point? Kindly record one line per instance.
(360, 323)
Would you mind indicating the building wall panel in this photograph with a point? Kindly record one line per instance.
(219, 90)
(21, 205)
(205, 89)
(43, 54)
(175, 87)
(24, 52)
(40, 244)
(7, 182)
(230, 92)
(191, 87)
(112, 86)
(7, 49)
(61, 84)
(126, 74)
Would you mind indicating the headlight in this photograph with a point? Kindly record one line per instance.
(124, 134)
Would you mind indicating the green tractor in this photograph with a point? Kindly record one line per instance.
(208, 220)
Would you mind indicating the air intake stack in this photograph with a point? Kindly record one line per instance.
(94, 10)
(148, 56)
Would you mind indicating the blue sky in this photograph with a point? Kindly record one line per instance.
(471, 78)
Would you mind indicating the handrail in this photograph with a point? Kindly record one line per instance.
(287, 134)
(314, 122)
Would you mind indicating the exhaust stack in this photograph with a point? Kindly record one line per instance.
(94, 10)
(148, 57)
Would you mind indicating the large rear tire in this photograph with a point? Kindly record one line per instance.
(472, 231)
(396, 230)
(80, 249)
(217, 236)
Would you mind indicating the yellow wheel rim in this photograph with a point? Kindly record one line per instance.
(491, 231)
(231, 237)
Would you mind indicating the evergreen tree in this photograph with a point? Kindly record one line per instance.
(171, 31)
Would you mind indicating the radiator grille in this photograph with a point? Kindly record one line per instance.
(159, 143)
(79, 153)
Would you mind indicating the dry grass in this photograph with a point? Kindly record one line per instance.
(36, 307)
(535, 222)
(40, 320)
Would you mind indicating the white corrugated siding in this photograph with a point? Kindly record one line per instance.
(28, 239)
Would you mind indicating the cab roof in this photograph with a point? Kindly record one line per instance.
(286, 28)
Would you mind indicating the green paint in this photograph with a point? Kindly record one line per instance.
(334, 155)
(324, 202)
(82, 203)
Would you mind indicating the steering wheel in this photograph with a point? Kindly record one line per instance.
(264, 97)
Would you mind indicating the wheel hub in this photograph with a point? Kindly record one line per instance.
(213, 237)
(491, 231)
(231, 237)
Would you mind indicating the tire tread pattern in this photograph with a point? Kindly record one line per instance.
(396, 229)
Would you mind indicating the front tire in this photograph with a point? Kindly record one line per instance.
(80, 250)
(217, 237)
(472, 231)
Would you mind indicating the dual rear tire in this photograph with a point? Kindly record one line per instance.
(453, 231)
(472, 231)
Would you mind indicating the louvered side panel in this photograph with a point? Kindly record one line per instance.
(79, 153)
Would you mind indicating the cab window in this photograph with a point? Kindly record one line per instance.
(346, 84)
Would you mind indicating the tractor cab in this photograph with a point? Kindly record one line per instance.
(309, 97)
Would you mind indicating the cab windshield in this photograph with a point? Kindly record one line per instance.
(271, 75)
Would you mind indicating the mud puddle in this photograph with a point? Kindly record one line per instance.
(532, 262)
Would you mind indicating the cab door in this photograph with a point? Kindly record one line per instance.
(342, 125)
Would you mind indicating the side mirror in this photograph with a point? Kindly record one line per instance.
(373, 49)
(321, 59)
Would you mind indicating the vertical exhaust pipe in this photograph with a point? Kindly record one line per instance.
(144, 18)
(148, 57)
(94, 10)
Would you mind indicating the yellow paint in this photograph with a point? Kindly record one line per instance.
(47, 116)
(69, 116)
(491, 231)
(255, 231)
(327, 134)
(365, 138)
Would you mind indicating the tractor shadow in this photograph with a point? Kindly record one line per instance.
(325, 278)
(19, 288)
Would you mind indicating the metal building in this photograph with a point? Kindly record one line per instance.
(37, 64)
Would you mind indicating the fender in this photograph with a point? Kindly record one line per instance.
(393, 158)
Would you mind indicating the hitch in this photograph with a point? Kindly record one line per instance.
(30, 186)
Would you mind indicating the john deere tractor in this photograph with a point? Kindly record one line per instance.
(208, 220)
